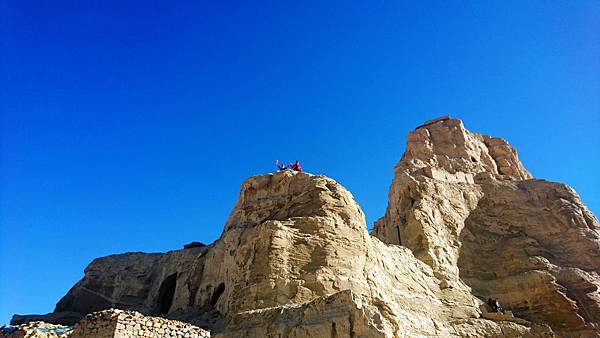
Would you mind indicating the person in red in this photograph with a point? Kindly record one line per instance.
(297, 166)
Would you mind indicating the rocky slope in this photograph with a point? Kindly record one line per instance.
(465, 222)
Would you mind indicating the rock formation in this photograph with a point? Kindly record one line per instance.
(465, 222)
(466, 206)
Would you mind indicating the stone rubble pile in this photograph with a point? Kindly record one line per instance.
(35, 329)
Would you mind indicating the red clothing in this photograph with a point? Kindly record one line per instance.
(296, 166)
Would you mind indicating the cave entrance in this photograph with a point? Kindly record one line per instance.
(217, 294)
(166, 294)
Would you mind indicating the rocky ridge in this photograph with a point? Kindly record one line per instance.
(465, 221)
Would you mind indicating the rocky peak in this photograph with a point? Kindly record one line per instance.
(288, 194)
(464, 204)
(443, 149)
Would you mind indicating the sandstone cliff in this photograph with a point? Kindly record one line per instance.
(466, 206)
(465, 222)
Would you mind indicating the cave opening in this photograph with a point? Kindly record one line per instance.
(217, 294)
(166, 294)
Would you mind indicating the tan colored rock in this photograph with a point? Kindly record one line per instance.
(466, 206)
(535, 245)
(294, 237)
(292, 241)
(465, 221)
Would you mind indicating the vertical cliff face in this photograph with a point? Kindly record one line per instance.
(467, 207)
(434, 190)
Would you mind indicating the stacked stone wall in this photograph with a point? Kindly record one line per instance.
(100, 324)
(131, 324)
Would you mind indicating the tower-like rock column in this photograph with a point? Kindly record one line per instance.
(466, 206)
(434, 190)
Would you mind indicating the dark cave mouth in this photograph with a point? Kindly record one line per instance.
(166, 294)
(217, 294)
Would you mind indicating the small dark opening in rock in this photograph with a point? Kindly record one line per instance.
(166, 294)
(473, 159)
(218, 292)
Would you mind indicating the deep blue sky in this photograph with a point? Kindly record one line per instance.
(129, 126)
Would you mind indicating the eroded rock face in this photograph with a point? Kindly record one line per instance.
(134, 281)
(466, 206)
(535, 245)
(465, 222)
(292, 240)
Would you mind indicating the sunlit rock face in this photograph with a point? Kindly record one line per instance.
(467, 207)
(537, 247)
(434, 190)
(465, 221)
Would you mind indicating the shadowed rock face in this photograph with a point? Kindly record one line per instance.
(295, 258)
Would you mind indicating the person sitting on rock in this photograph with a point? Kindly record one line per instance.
(494, 305)
(297, 167)
(280, 167)
(497, 307)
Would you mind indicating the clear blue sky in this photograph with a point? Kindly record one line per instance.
(129, 126)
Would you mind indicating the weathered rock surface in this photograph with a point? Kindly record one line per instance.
(465, 221)
(466, 206)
